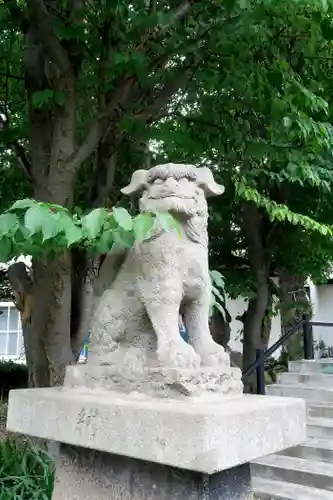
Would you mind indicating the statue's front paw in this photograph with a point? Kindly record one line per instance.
(213, 355)
(178, 355)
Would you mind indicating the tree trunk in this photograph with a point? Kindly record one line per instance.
(220, 329)
(22, 289)
(51, 319)
(260, 263)
(252, 330)
(84, 275)
(52, 129)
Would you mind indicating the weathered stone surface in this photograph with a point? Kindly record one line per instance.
(89, 475)
(200, 434)
(157, 382)
(135, 326)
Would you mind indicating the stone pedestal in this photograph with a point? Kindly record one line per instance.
(89, 475)
(134, 447)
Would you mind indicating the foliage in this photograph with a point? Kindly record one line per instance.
(5, 289)
(12, 376)
(218, 297)
(262, 118)
(275, 366)
(36, 228)
(242, 86)
(26, 473)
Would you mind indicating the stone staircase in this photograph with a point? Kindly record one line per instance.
(306, 471)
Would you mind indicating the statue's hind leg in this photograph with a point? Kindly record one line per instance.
(109, 324)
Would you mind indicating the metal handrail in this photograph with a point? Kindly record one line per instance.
(320, 323)
(258, 364)
(274, 347)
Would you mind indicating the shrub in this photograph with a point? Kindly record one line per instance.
(26, 473)
(12, 376)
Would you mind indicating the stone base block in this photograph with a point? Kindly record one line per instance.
(220, 381)
(196, 434)
(89, 475)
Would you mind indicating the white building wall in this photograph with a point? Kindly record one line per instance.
(237, 308)
(322, 305)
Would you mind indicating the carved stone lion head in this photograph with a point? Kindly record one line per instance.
(175, 188)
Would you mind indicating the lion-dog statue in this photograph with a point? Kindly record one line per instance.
(136, 319)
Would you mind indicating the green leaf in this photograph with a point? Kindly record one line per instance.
(105, 242)
(124, 238)
(5, 249)
(143, 224)
(8, 222)
(73, 232)
(94, 221)
(327, 29)
(168, 222)
(23, 204)
(35, 218)
(42, 97)
(217, 293)
(51, 228)
(123, 218)
(218, 279)
(256, 149)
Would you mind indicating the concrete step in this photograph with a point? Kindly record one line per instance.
(311, 394)
(314, 449)
(320, 410)
(267, 489)
(310, 379)
(312, 366)
(320, 428)
(295, 471)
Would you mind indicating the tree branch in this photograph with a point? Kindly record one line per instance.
(9, 75)
(48, 36)
(96, 132)
(162, 97)
(23, 158)
(121, 94)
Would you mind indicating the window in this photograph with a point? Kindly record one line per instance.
(11, 340)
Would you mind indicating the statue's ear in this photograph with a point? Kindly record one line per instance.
(205, 180)
(137, 184)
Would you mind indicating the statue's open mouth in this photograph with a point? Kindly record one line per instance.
(170, 195)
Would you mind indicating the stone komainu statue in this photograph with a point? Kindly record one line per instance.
(136, 320)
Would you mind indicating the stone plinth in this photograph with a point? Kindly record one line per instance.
(121, 441)
(158, 383)
(88, 475)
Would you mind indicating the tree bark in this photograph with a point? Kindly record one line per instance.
(220, 329)
(51, 319)
(260, 263)
(43, 299)
(22, 288)
(52, 128)
(84, 275)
